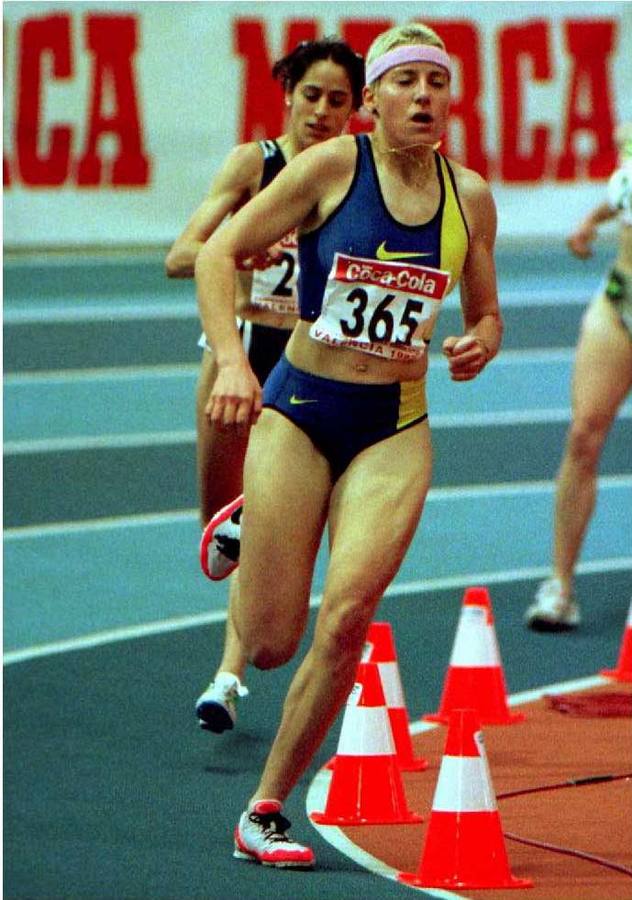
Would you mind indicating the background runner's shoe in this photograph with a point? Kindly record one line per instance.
(551, 610)
(215, 708)
(261, 835)
(219, 547)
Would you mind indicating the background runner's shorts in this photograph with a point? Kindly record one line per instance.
(263, 346)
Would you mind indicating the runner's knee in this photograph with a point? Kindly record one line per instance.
(270, 652)
(341, 629)
(268, 656)
(586, 439)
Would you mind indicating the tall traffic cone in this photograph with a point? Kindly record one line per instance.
(623, 671)
(464, 846)
(380, 649)
(475, 678)
(366, 785)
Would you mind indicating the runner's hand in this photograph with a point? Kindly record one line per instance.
(466, 356)
(579, 242)
(235, 400)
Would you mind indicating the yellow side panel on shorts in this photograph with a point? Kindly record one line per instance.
(412, 402)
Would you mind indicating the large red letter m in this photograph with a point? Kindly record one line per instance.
(262, 116)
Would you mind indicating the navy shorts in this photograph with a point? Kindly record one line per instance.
(342, 418)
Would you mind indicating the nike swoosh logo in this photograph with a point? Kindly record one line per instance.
(386, 255)
(298, 401)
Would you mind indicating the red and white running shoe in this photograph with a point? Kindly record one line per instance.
(261, 835)
(219, 547)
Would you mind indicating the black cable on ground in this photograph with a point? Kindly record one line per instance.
(568, 851)
(571, 782)
(543, 845)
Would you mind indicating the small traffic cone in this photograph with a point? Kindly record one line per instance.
(464, 846)
(623, 671)
(475, 678)
(380, 649)
(366, 785)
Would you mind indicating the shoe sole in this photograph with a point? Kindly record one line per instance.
(547, 625)
(251, 857)
(213, 717)
(207, 536)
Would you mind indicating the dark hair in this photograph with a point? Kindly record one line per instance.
(293, 67)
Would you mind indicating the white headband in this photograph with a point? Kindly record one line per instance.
(407, 53)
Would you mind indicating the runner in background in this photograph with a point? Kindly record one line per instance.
(601, 381)
(322, 81)
(387, 226)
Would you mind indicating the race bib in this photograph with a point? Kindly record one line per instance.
(274, 289)
(386, 309)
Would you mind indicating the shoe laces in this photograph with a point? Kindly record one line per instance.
(274, 825)
(231, 692)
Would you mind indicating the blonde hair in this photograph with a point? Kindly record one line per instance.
(400, 35)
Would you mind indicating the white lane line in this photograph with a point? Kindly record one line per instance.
(100, 312)
(462, 420)
(113, 636)
(506, 359)
(443, 494)
(105, 523)
(90, 376)
(102, 441)
(315, 801)
(317, 792)
(510, 417)
(574, 297)
(409, 588)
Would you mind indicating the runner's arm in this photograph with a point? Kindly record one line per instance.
(483, 326)
(232, 187)
(580, 240)
(283, 205)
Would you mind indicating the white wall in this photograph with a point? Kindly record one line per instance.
(185, 100)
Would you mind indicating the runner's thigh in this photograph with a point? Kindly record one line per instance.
(375, 510)
(603, 362)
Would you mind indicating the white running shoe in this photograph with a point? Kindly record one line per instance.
(215, 708)
(551, 610)
(261, 835)
(220, 544)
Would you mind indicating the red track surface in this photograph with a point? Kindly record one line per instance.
(550, 748)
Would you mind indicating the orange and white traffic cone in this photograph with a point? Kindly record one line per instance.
(380, 649)
(366, 785)
(623, 671)
(475, 678)
(464, 846)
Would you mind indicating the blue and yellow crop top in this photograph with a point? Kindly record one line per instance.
(362, 227)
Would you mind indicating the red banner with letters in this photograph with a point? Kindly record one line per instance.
(117, 115)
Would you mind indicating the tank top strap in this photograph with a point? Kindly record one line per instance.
(454, 232)
(273, 161)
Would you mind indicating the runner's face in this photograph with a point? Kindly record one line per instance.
(412, 103)
(321, 103)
